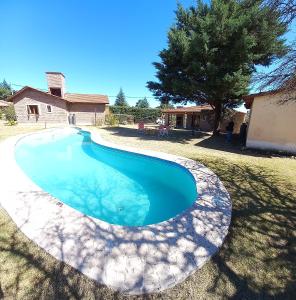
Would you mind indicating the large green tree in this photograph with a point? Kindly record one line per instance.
(164, 105)
(142, 103)
(213, 50)
(5, 90)
(120, 99)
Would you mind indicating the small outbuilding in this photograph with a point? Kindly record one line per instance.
(193, 117)
(57, 106)
(200, 117)
(272, 124)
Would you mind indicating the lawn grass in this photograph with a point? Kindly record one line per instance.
(256, 261)
(7, 131)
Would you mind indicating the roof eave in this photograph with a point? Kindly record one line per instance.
(57, 97)
(33, 89)
(58, 73)
(250, 98)
(92, 102)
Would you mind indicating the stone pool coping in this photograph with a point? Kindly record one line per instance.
(132, 260)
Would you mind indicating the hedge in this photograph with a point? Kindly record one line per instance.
(140, 114)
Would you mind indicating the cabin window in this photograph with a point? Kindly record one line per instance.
(33, 109)
(56, 92)
(49, 108)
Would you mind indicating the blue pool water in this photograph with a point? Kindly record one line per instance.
(115, 186)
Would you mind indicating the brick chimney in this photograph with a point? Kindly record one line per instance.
(56, 83)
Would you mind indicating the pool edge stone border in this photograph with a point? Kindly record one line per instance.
(132, 260)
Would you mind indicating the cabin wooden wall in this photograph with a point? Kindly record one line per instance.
(58, 114)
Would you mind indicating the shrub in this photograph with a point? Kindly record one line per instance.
(99, 122)
(111, 120)
(11, 122)
(10, 115)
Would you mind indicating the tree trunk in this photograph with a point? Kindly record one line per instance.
(218, 111)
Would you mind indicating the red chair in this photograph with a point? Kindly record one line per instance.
(141, 127)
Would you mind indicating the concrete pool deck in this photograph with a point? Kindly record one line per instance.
(133, 260)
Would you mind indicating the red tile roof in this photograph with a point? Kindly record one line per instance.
(190, 109)
(86, 98)
(72, 98)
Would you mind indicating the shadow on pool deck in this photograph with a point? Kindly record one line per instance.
(257, 260)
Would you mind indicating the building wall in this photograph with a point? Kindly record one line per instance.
(203, 120)
(59, 112)
(86, 113)
(272, 125)
(189, 121)
(206, 121)
(238, 118)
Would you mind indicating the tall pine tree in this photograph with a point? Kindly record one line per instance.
(142, 103)
(213, 50)
(5, 90)
(120, 99)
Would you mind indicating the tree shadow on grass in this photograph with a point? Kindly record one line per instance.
(34, 274)
(257, 260)
(259, 254)
(182, 136)
(202, 139)
(235, 146)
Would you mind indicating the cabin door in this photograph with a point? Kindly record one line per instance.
(72, 119)
(179, 121)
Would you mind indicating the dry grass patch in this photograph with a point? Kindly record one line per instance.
(7, 131)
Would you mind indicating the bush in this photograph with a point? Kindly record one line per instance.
(111, 120)
(99, 122)
(140, 114)
(11, 122)
(10, 115)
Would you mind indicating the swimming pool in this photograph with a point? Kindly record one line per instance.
(131, 259)
(112, 185)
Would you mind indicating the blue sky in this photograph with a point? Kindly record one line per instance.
(99, 45)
